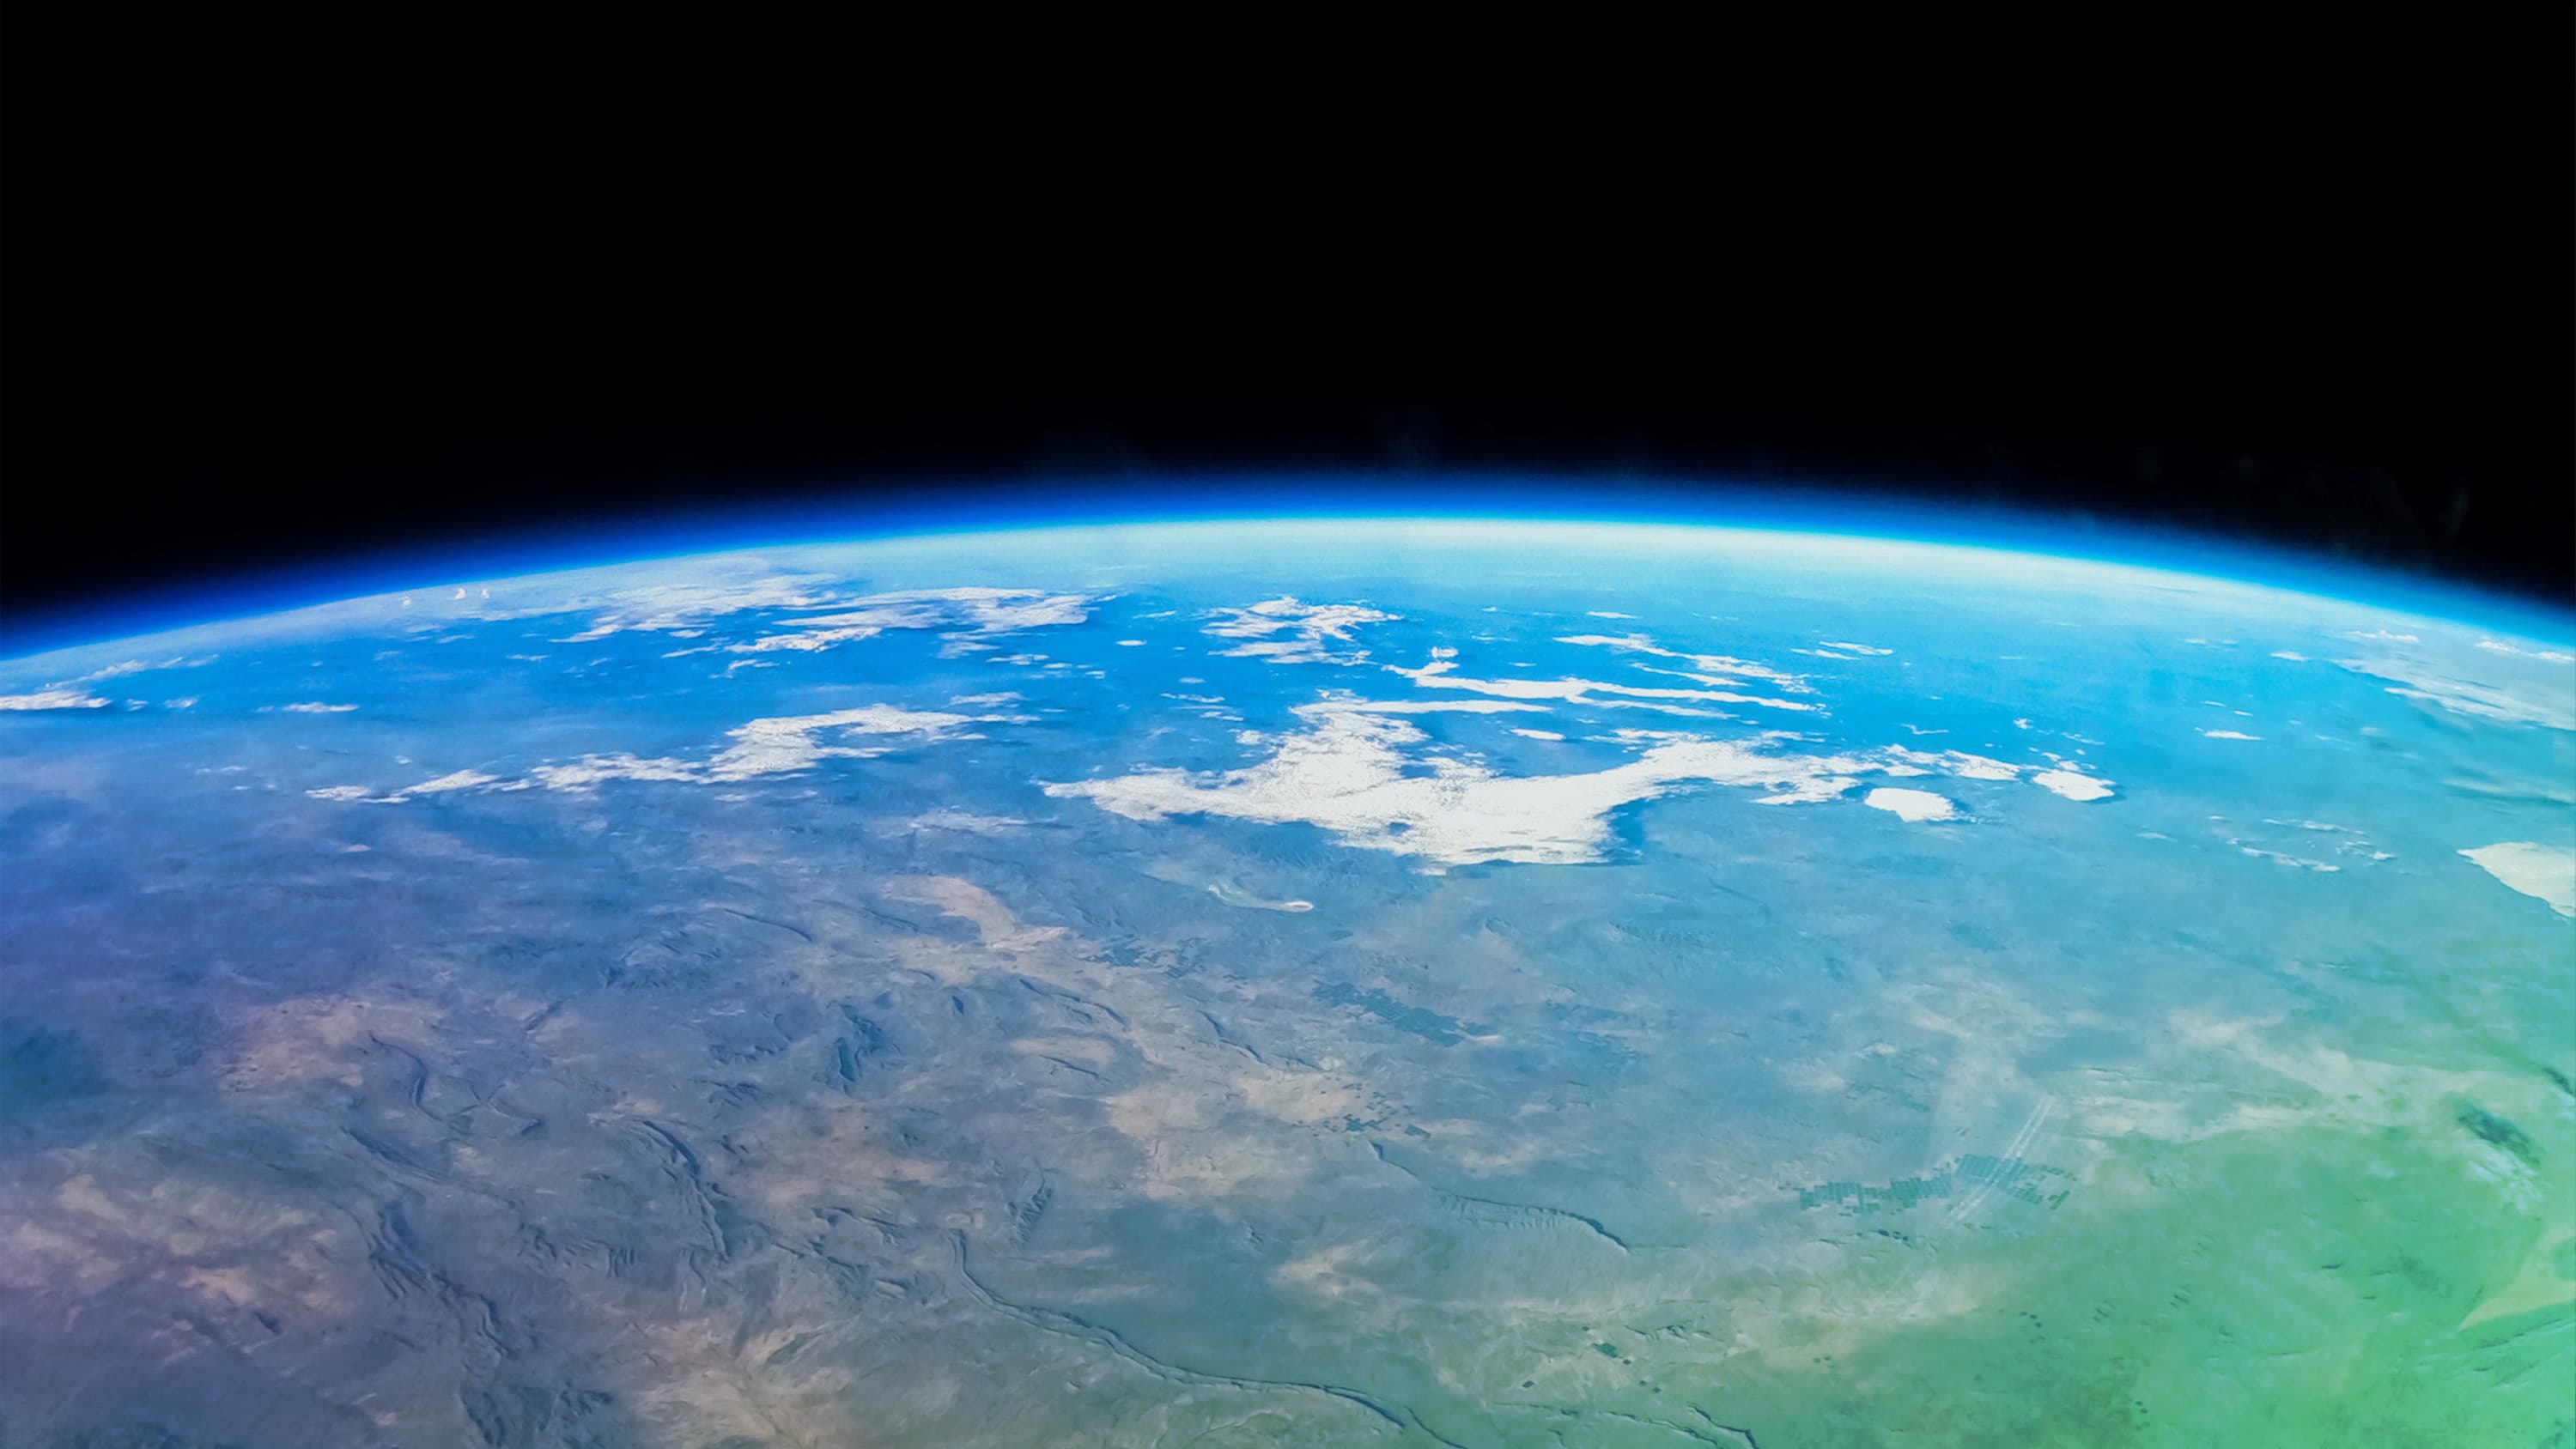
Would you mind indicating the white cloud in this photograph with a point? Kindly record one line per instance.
(684, 609)
(2279, 858)
(675, 608)
(52, 699)
(1347, 772)
(808, 641)
(2291, 655)
(2550, 656)
(1235, 895)
(1285, 631)
(316, 707)
(1680, 709)
(116, 671)
(1854, 648)
(590, 770)
(2542, 696)
(775, 746)
(1954, 762)
(2460, 697)
(461, 780)
(2229, 735)
(1912, 805)
(2346, 841)
(1357, 772)
(2543, 872)
(53, 688)
(1736, 670)
(2072, 784)
(1355, 705)
(967, 822)
(1437, 675)
(997, 611)
(972, 613)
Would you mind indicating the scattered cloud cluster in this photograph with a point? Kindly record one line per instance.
(1357, 705)
(1353, 771)
(1441, 674)
(2546, 656)
(1958, 763)
(1731, 671)
(971, 614)
(688, 610)
(679, 608)
(1365, 770)
(1348, 773)
(1285, 631)
(776, 746)
(2482, 678)
(2283, 857)
(67, 693)
(2346, 842)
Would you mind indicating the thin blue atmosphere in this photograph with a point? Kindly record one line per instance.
(1251, 497)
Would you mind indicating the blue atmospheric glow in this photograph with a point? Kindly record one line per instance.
(1253, 497)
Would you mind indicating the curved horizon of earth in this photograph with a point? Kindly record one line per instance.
(1294, 983)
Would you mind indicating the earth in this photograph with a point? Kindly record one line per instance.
(1322, 983)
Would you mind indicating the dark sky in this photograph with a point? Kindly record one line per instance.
(2318, 300)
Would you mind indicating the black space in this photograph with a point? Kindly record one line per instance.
(2312, 299)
